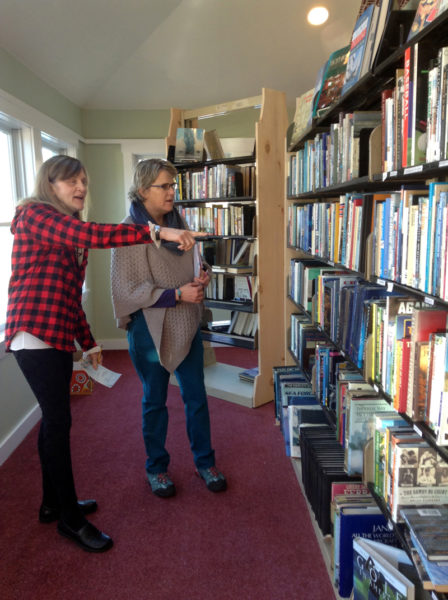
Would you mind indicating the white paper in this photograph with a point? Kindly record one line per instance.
(101, 374)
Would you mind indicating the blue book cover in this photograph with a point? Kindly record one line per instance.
(364, 523)
(357, 48)
(436, 279)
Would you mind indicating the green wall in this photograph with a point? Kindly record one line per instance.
(20, 82)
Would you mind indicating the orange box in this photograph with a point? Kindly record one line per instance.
(81, 383)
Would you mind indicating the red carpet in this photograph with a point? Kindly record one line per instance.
(254, 541)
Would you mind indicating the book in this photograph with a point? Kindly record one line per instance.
(424, 322)
(359, 522)
(426, 12)
(360, 409)
(430, 527)
(248, 374)
(302, 117)
(357, 48)
(417, 478)
(333, 80)
(432, 574)
(376, 571)
(189, 144)
(213, 144)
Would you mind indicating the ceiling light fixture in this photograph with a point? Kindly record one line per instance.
(317, 15)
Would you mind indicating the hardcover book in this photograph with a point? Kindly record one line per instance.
(376, 571)
(430, 526)
(359, 522)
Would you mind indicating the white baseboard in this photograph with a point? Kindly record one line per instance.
(19, 433)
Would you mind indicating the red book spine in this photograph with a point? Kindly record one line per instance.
(406, 105)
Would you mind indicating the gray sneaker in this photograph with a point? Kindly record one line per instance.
(161, 485)
(214, 480)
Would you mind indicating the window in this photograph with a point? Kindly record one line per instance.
(13, 185)
(51, 146)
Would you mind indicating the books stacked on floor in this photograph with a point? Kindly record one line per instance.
(428, 539)
(296, 406)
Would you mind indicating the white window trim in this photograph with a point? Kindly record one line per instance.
(35, 122)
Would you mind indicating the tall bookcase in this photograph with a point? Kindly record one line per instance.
(269, 198)
(367, 95)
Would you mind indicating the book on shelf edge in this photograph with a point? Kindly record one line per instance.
(429, 525)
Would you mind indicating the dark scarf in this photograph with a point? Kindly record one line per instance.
(141, 216)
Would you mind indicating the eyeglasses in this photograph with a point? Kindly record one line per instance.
(165, 186)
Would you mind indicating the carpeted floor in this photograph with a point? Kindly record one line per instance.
(254, 541)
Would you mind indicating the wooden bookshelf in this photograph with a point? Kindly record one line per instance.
(270, 191)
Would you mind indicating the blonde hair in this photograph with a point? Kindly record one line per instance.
(56, 168)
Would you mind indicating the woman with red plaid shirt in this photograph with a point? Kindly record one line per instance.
(45, 317)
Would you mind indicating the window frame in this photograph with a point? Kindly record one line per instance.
(27, 126)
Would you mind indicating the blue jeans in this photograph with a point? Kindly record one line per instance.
(155, 379)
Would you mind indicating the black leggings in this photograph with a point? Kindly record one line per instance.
(48, 372)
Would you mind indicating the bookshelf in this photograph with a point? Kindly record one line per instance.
(318, 202)
(268, 200)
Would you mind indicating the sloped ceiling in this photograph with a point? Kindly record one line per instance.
(152, 54)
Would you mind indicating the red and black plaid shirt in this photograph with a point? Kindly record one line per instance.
(45, 289)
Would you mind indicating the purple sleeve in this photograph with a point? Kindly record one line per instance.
(166, 300)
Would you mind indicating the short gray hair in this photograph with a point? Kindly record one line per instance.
(146, 172)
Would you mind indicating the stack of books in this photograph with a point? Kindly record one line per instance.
(428, 539)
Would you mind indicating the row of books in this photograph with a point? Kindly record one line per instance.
(379, 28)
(336, 231)
(225, 251)
(414, 111)
(244, 324)
(399, 235)
(229, 287)
(409, 358)
(398, 341)
(409, 237)
(334, 156)
(235, 219)
(408, 472)
(218, 181)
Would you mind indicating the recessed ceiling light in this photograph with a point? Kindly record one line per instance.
(317, 15)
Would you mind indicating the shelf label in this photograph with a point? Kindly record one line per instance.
(418, 430)
(393, 173)
(416, 169)
(376, 388)
(429, 301)
(443, 163)
(390, 286)
(385, 175)
(381, 282)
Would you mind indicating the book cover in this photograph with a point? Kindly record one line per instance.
(189, 144)
(418, 477)
(360, 411)
(333, 80)
(357, 49)
(430, 526)
(376, 571)
(302, 117)
(426, 12)
(365, 523)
